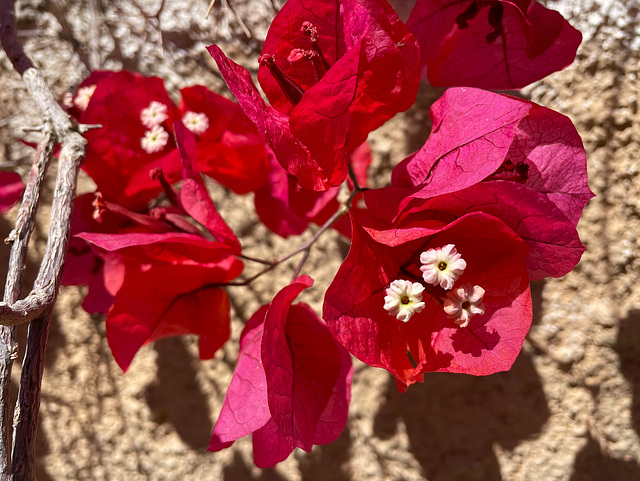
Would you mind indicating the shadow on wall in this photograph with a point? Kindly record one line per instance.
(175, 395)
(325, 463)
(593, 465)
(628, 348)
(453, 421)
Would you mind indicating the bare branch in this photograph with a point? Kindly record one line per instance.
(38, 305)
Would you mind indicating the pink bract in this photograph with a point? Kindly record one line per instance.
(509, 157)
(291, 387)
(324, 105)
(496, 44)
(430, 341)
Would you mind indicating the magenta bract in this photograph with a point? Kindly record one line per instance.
(286, 208)
(509, 157)
(227, 145)
(497, 44)
(171, 287)
(291, 387)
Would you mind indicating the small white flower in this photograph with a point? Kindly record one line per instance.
(196, 122)
(83, 96)
(463, 303)
(67, 100)
(403, 299)
(154, 140)
(154, 114)
(442, 265)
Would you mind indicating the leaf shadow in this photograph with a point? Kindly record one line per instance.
(238, 471)
(42, 449)
(475, 341)
(328, 462)
(176, 397)
(592, 464)
(628, 348)
(453, 421)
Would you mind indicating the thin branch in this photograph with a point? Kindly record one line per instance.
(38, 305)
(20, 238)
(306, 247)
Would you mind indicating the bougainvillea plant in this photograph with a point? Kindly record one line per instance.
(437, 276)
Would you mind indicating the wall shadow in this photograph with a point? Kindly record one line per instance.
(628, 348)
(453, 420)
(175, 395)
(42, 449)
(239, 471)
(593, 465)
(328, 462)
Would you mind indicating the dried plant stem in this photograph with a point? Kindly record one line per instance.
(37, 306)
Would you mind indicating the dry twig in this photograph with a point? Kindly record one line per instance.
(36, 307)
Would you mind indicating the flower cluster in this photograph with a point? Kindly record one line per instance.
(437, 276)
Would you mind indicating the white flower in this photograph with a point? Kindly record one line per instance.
(154, 114)
(196, 122)
(83, 96)
(442, 265)
(463, 303)
(404, 299)
(154, 140)
(67, 100)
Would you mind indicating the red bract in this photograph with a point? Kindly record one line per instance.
(286, 208)
(171, 287)
(116, 160)
(137, 137)
(103, 271)
(430, 340)
(194, 198)
(100, 271)
(11, 188)
(333, 75)
(230, 149)
(495, 44)
(292, 383)
(509, 157)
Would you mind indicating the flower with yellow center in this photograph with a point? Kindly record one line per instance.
(442, 266)
(196, 122)
(154, 140)
(154, 114)
(404, 299)
(463, 303)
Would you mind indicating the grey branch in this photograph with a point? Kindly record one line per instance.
(37, 306)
